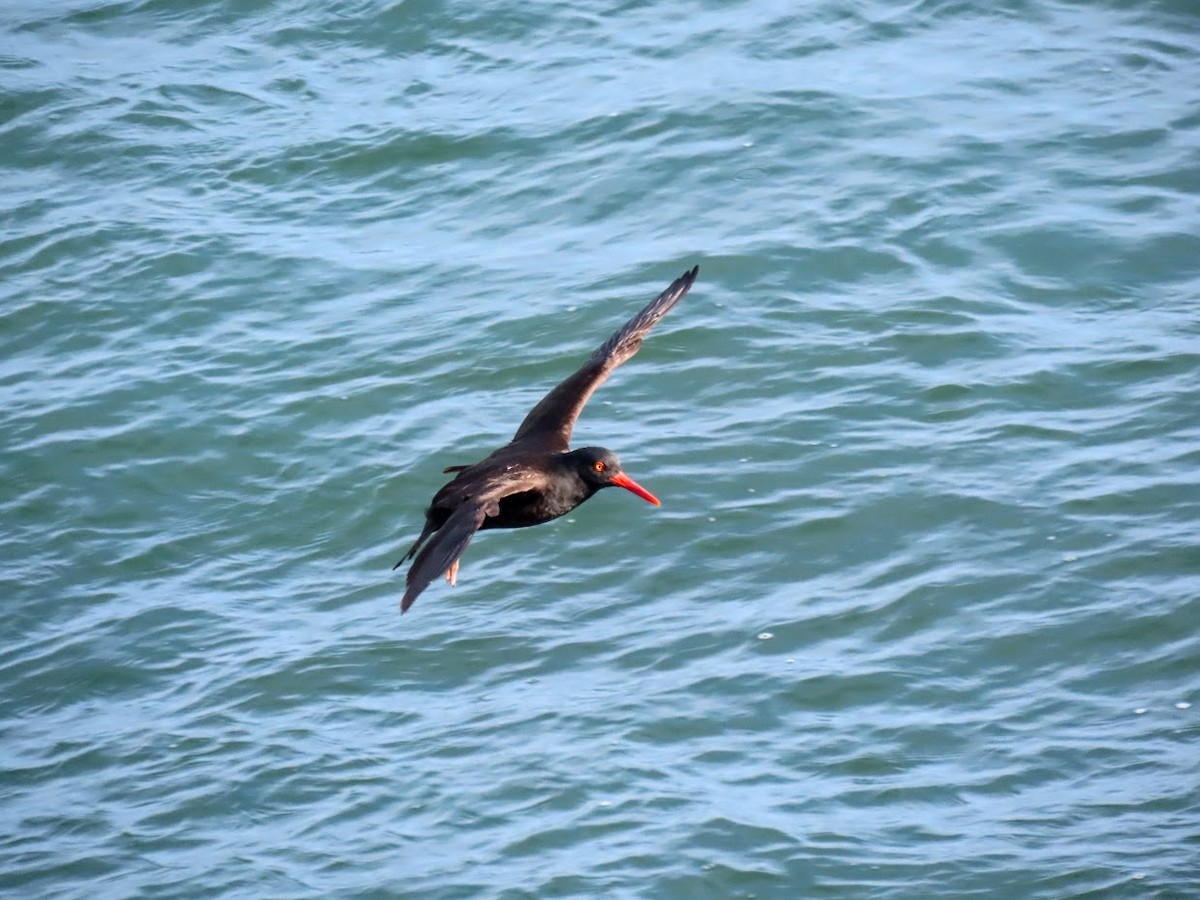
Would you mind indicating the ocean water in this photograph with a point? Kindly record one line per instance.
(919, 614)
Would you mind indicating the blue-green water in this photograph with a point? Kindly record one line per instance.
(918, 617)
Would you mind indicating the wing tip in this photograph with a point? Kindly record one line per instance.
(683, 283)
(410, 597)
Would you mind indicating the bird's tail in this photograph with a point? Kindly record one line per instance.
(412, 551)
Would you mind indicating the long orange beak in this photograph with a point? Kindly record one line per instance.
(633, 487)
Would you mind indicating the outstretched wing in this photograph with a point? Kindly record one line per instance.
(549, 424)
(445, 546)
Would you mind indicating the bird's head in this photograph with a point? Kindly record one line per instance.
(601, 468)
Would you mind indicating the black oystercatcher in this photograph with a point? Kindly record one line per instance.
(535, 477)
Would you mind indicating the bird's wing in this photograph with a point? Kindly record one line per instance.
(445, 546)
(549, 424)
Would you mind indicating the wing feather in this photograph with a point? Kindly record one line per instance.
(549, 424)
(445, 546)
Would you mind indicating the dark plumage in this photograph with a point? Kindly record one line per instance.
(535, 477)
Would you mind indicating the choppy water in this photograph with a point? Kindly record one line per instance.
(918, 617)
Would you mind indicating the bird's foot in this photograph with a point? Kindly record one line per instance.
(452, 573)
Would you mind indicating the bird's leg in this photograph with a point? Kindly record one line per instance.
(452, 573)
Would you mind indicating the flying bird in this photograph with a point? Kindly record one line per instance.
(535, 477)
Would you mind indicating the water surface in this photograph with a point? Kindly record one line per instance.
(918, 617)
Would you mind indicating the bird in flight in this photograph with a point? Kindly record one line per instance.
(535, 477)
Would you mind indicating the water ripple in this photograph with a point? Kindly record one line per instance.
(912, 620)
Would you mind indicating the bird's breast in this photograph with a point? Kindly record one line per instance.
(533, 507)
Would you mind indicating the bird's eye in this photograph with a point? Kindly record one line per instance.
(598, 466)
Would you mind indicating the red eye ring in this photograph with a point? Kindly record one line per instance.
(598, 466)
